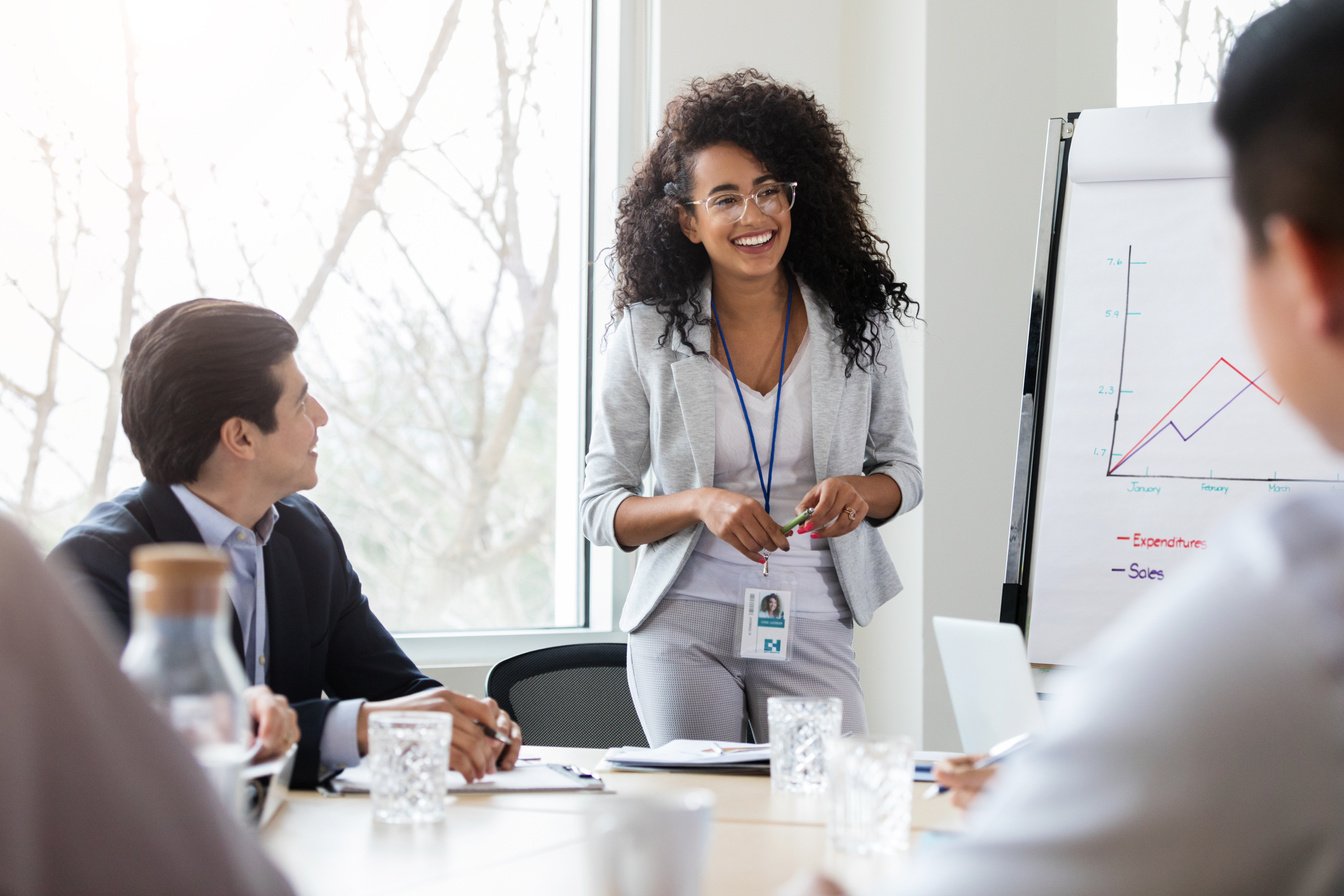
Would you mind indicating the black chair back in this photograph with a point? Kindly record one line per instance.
(573, 695)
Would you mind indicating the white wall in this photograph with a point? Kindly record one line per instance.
(883, 107)
(793, 40)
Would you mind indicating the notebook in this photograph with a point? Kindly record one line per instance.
(989, 680)
(528, 776)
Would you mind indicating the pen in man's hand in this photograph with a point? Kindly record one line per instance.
(1001, 750)
(490, 732)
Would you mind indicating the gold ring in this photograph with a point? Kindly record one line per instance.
(849, 511)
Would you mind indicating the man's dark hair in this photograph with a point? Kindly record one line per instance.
(189, 369)
(1281, 109)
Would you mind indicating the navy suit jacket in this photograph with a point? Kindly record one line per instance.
(324, 638)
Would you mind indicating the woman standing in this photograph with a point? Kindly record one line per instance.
(755, 370)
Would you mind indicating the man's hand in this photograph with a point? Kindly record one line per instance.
(959, 775)
(474, 753)
(277, 725)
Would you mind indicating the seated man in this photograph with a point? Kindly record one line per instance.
(220, 419)
(1200, 750)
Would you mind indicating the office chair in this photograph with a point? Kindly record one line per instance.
(573, 695)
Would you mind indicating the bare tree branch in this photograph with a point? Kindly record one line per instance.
(536, 311)
(523, 541)
(360, 199)
(44, 402)
(405, 252)
(176, 200)
(1182, 22)
(135, 214)
(28, 395)
(249, 264)
(474, 218)
(355, 29)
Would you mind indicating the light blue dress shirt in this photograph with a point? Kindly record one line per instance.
(247, 592)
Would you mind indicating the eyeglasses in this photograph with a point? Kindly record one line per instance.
(730, 208)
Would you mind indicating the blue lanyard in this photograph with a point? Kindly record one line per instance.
(766, 483)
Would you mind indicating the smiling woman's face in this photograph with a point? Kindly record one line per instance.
(746, 250)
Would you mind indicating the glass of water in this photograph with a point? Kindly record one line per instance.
(799, 727)
(408, 765)
(870, 790)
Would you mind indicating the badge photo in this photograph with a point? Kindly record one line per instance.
(765, 618)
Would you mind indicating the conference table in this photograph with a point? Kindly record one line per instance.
(497, 844)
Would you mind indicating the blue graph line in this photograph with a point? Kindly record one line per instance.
(1177, 429)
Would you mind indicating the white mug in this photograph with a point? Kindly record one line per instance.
(651, 845)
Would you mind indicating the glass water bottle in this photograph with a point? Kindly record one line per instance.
(181, 656)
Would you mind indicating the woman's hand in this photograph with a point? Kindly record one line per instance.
(837, 508)
(741, 522)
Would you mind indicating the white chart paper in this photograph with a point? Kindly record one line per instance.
(1159, 417)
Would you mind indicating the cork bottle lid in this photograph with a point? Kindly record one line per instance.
(179, 579)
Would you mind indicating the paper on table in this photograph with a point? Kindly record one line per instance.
(683, 753)
(925, 760)
(710, 755)
(267, 785)
(521, 779)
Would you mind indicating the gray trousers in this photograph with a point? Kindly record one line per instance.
(687, 682)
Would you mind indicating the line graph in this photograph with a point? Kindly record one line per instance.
(1165, 422)
(1246, 432)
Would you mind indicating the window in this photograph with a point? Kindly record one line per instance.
(409, 183)
(1172, 51)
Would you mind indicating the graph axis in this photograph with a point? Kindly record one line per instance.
(1112, 465)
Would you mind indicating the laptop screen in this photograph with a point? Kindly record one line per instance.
(989, 680)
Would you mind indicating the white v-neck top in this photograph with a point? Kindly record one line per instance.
(715, 569)
(795, 468)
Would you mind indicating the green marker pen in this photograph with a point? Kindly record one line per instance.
(796, 521)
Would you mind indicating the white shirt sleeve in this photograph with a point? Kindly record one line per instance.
(340, 736)
(1200, 750)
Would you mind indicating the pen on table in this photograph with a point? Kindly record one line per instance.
(1000, 751)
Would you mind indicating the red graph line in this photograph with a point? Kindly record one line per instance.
(1221, 360)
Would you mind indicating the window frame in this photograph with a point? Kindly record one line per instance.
(619, 50)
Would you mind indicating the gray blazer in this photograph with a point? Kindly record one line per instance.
(656, 409)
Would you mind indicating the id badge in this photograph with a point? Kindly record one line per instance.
(767, 608)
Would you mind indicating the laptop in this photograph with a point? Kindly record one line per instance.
(989, 679)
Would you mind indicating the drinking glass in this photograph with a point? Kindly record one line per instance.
(799, 727)
(870, 790)
(408, 765)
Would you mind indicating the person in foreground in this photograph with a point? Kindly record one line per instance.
(1201, 749)
(755, 371)
(220, 419)
(99, 794)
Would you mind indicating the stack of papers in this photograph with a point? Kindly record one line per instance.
(694, 755)
(717, 755)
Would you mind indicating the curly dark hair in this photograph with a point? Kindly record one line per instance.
(831, 246)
